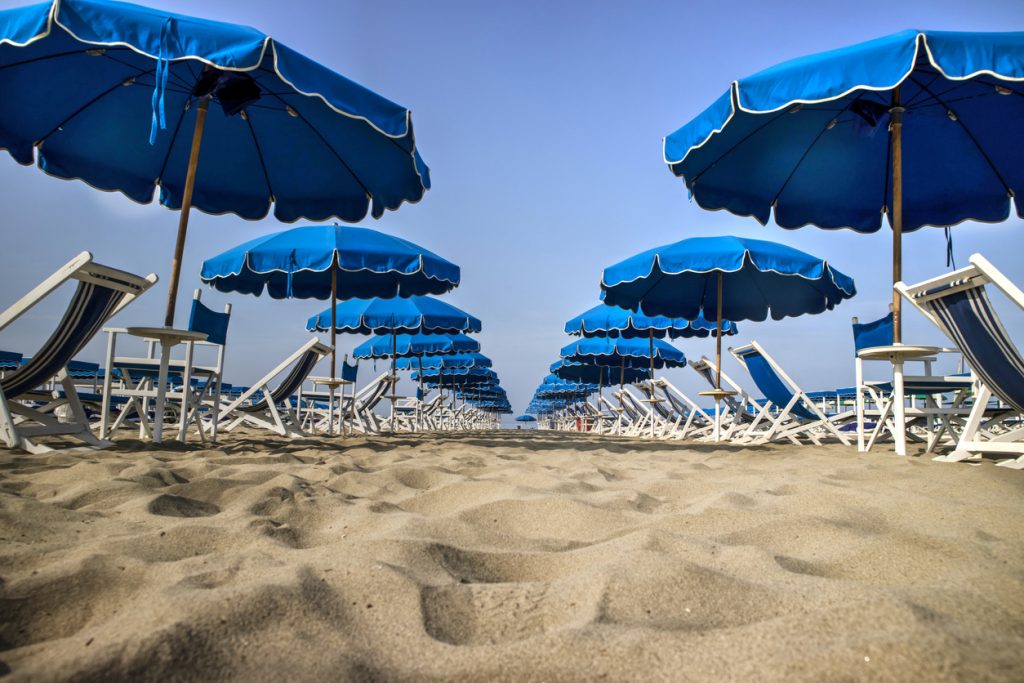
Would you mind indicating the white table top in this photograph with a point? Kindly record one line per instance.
(166, 335)
(898, 351)
(717, 393)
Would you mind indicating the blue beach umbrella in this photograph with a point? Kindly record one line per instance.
(610, 321)
(526, 418)
(405, 345)
(592, 373)
(415, 315)
(117, 95)
(621, 352)
(436, 362)
(461, 376)
(725, 278)
(829, 139)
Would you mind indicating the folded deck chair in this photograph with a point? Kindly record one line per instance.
(101, 293)
(958, 304)
(262, 405)
(640, 416)
(360, 411)
(797, 416)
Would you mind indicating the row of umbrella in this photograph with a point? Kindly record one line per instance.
(120, 96)
(676, 291)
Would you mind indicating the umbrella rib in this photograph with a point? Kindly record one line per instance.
(119, 84)
(329, 146)
(974, 140)
(807, 151)
(174, 138)
(259, 153)
(738, 143)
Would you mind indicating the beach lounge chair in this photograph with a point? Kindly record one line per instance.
(691, 420)
(360, 412)
(797, 416)
(737, 411)
(100, 294)
(268, 407)
(196, 387)
(958, 304)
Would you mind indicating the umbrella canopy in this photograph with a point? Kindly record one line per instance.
(457, 375)
(926, 128)
(758, 279)
(526, 418)
(592, 373)
(405, 345)
(611, 321)
(435, 362)
(303, 262)
(611, 351)
(117, 95)
(415, 315)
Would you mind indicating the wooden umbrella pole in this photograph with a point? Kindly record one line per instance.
(651, 379)
(718, 336)
(394, 375)
(896, 121)
(186, 208)
(419, 399)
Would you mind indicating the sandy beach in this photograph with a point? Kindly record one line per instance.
(507, 556)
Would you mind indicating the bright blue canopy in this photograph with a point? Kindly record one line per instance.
(613, 351)
(455, 375)
(526, 418)
(415, 315)
(415, 344)
(610, 321)
(107, 91)
(434, 362)
(758, 278)
(591, 373)
(297, 263)
(809, 138)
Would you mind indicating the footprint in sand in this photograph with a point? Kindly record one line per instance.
(168, 505)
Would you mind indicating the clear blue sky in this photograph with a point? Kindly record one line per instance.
(542, 125)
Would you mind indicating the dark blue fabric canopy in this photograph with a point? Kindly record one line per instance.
(458, 375)
(434, 362)
(809, 139)
(106, 92)
(415, 315)
(610, 321)
(614, 351)
(591, 373)
(297, 263)
(526, 418)
(416, 344)
(759, 279)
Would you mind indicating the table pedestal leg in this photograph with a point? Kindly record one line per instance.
(718, 420)
(161, 393)
(899, 412)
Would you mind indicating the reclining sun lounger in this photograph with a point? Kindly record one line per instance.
(695, 421)
(958, 304)
(101, 293)
(273, 410)
(798, 415)
(738, 410)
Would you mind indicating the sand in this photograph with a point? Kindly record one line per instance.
(507, 556)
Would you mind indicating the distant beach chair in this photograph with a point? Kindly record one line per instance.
(958, 304)
(361, 413)
(100, 294)
(269, 407)
(797, 416)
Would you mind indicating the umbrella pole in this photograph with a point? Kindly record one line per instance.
(419, 399)
(186, 208)
(334, 351)
(394, 375)
(718, 361)
(896, 118)
(651, 379)
(622, 381)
